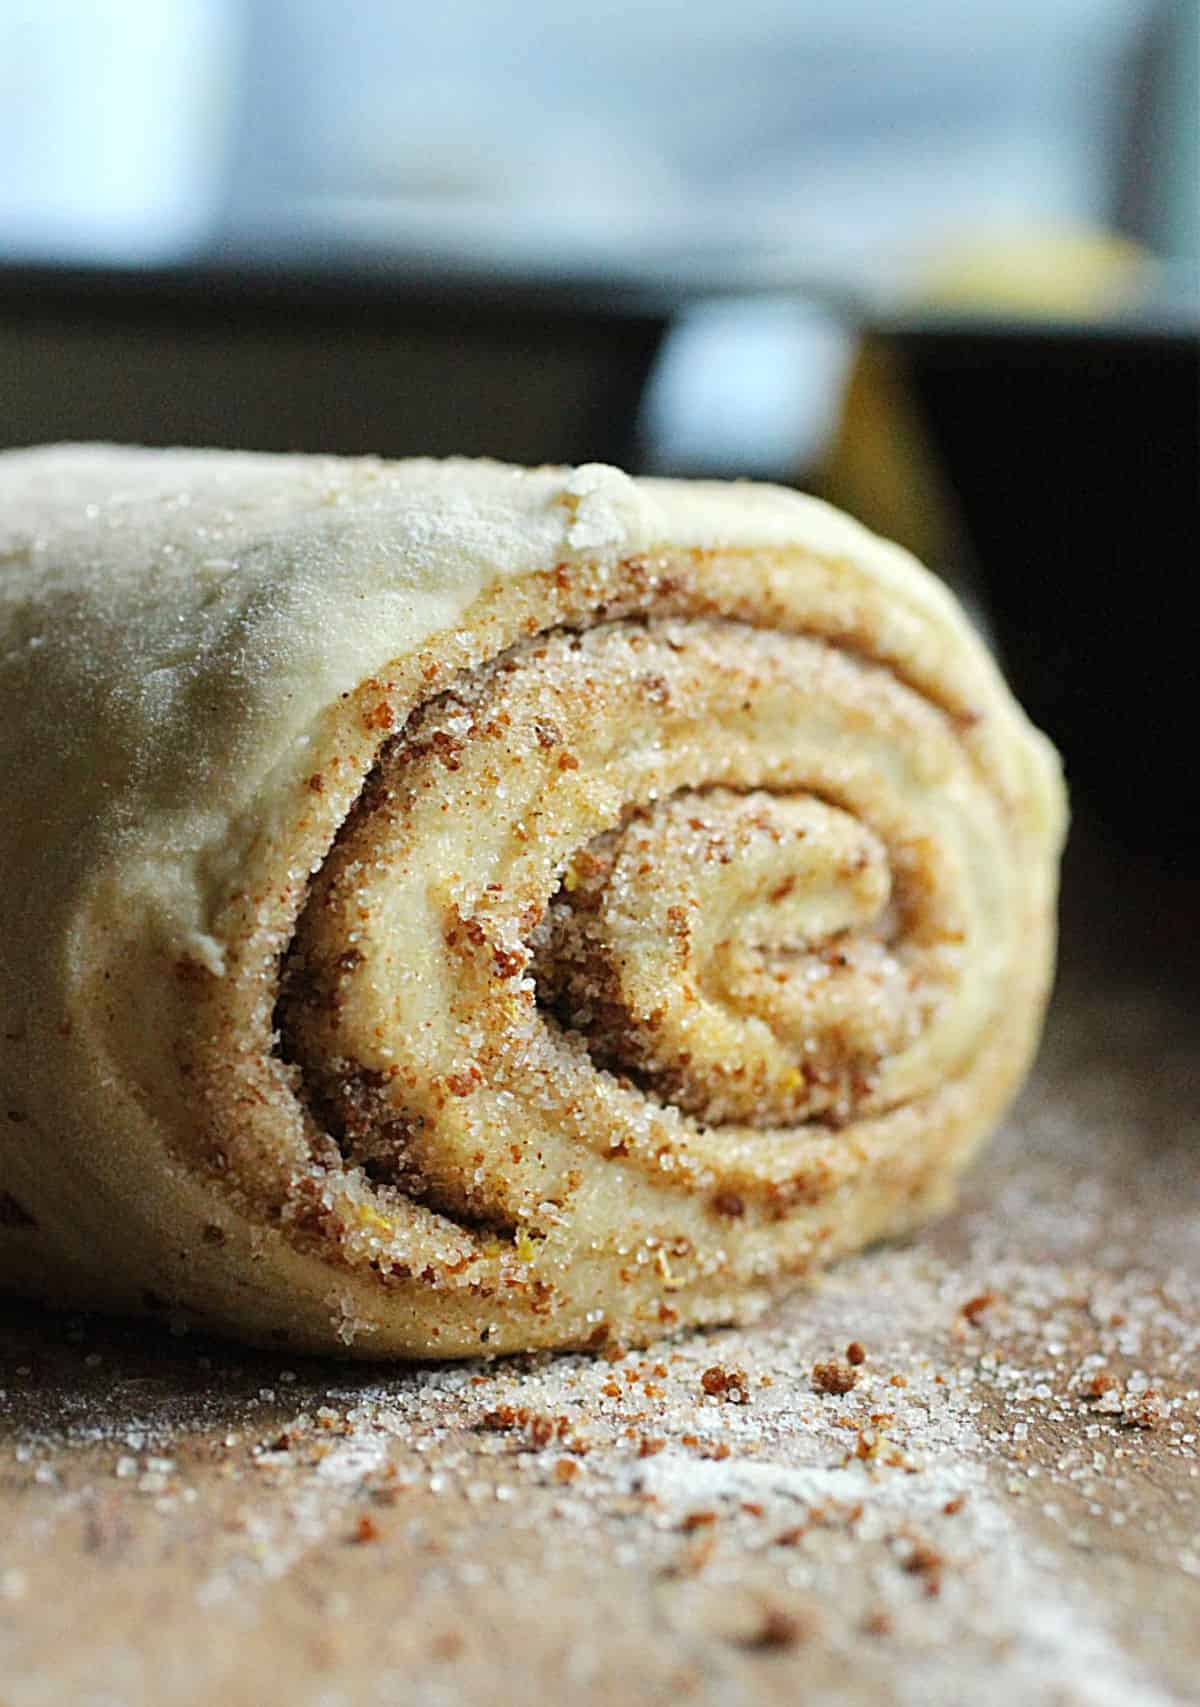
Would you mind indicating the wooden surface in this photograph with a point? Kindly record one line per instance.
(1004, 1507)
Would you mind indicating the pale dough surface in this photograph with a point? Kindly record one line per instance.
(201, 657)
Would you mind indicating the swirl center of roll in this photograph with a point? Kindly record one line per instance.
(622, 892)
(733, 952)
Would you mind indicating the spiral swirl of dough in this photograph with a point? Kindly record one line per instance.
(673, 921)
(647, 941)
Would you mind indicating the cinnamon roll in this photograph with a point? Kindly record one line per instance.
(450, 906)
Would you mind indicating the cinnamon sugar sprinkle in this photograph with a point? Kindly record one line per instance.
(1002, 1507)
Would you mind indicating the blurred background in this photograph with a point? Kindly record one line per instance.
(938, 262)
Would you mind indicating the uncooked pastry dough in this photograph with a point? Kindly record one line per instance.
(450, 905)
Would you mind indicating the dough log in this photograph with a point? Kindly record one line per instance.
(447, 906)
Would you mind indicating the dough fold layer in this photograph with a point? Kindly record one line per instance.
(449, 905)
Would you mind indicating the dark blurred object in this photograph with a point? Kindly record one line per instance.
(1074, 454)
(268, 358)
(1068, 453)
(1156, 196)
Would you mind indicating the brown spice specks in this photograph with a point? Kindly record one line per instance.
(732, 1385)
(925, 1562)
(975, 1307)
(539, 1428)
(730, 1204)
(834, 1377)
(697, 1520)
(508, 961)
(775, 1628)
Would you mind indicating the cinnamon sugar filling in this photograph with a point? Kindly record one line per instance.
(702, 876)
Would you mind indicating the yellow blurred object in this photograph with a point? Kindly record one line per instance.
(1040, 273)
(881, 466)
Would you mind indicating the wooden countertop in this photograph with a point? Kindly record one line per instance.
(1005, 1507)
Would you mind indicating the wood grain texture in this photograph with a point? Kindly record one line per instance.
(1005, 1505)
